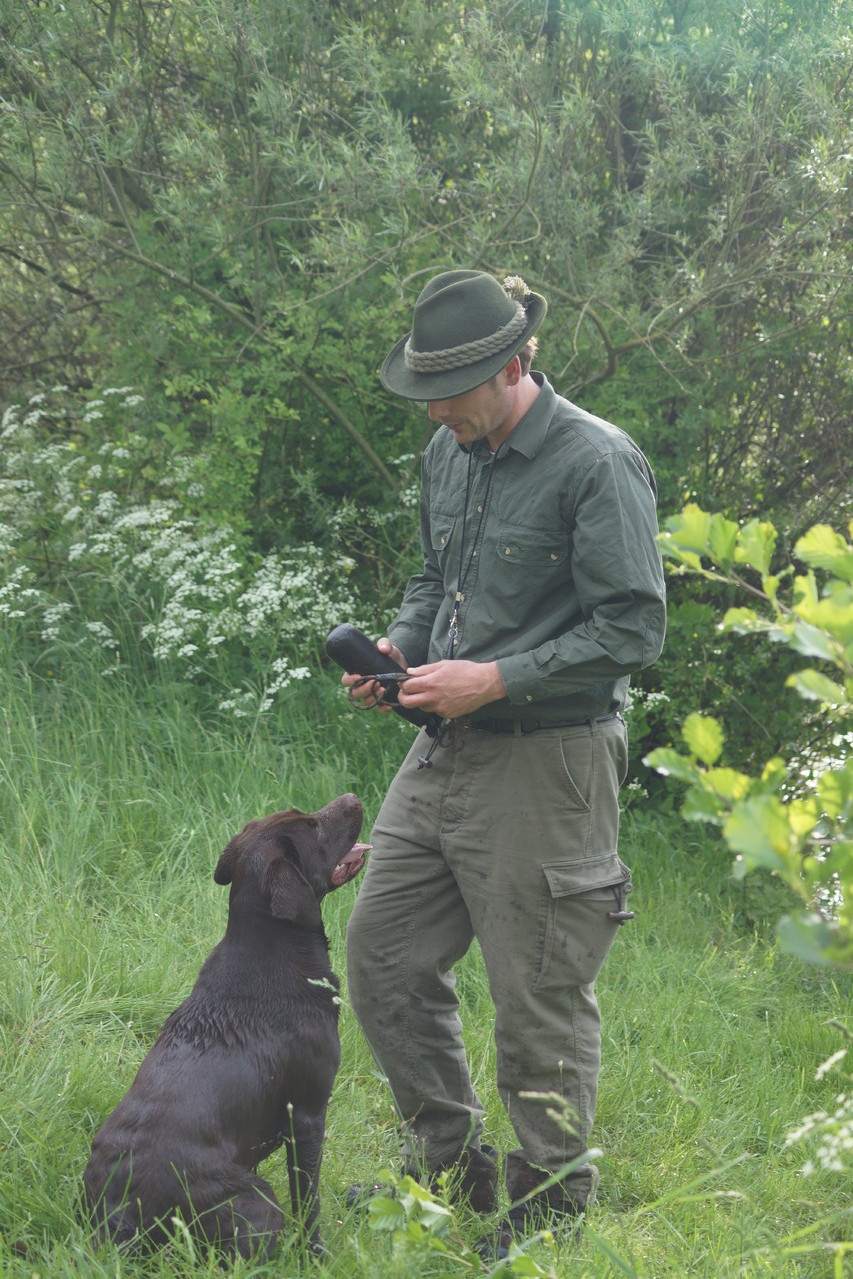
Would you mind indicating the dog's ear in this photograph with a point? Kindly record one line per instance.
(224, 872)
(291, 896)
(234, 849)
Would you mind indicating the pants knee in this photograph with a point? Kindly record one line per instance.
(357, 963)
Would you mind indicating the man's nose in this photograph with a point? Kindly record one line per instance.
(437, 409)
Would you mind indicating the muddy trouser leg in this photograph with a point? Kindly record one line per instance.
(514, 839)
(408, 928)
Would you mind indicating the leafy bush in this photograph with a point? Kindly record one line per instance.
(240, 224)
(789, 819)
(719, 673)
(103, 555)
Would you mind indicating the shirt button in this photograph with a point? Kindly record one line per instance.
(529, 697)
(507, 550)
(554, 555)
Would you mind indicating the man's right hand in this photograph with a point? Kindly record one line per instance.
(371, 689)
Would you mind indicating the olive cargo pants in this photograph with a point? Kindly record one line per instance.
(510, 839)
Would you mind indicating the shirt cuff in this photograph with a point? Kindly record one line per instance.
(521, 678)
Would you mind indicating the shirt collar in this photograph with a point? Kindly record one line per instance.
(528, 436)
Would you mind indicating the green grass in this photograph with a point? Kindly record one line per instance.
(113, 810)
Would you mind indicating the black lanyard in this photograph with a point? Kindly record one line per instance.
(425, 761)
(465, 569)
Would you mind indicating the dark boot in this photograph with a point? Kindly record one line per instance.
(532, 1210)
(472, 1178)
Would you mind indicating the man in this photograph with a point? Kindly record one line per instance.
(541, 592)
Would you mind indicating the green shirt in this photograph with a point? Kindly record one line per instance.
(560, 572)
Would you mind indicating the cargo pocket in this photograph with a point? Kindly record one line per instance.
(574, 932)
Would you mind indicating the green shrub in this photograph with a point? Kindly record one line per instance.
(790, 820)
(104, 557)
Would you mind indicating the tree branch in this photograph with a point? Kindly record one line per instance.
(257, 332)
(43, 270)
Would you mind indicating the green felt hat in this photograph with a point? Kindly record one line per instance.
(465, 329)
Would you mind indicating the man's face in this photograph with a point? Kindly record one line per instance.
(477, 414)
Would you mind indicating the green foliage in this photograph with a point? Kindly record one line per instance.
(829, 1133)
(795, 827)
(420, 1227)
(722, 674)
(116, 798)
(233, 206)
(100, 563)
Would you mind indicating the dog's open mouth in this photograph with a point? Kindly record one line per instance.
(349, 866)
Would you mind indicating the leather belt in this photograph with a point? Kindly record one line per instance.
(484, 724)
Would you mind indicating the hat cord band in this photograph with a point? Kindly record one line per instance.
(455, 357)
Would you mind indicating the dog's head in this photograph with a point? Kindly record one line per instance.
(287, 862)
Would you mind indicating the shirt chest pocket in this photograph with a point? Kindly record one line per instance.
(441, 533)
(531, 548)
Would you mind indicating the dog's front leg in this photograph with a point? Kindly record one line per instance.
(304, 1149)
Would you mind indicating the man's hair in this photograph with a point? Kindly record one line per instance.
(527, 355)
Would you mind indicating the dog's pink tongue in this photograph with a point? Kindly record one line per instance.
(349, 866)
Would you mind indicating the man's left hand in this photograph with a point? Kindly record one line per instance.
(452, 688)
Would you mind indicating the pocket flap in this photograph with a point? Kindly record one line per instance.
(533, 547)
(441, 530)
(566, 878)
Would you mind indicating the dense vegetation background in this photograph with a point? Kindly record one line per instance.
(214, 220)
(231, 208)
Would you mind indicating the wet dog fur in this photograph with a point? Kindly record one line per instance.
(246, 1063)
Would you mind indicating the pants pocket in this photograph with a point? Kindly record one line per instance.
(574, 932)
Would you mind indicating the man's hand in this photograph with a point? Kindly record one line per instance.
(452, 688)
(371, 689)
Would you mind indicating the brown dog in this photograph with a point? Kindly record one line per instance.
(247, 1061)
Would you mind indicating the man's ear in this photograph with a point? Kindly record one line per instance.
(512, 372)
(291, 896)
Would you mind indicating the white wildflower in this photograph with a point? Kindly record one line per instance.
(106, 505)
(52, 618)
(102, 633)
(9, 537)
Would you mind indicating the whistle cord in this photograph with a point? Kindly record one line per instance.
(465, 569)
